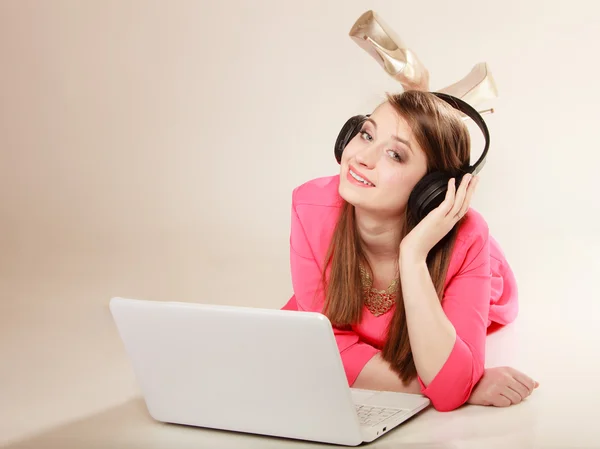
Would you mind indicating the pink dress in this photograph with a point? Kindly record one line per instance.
(480, 291)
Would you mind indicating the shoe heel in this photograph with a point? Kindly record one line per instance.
(477, 87)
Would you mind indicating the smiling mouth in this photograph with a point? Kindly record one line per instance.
(360, 178)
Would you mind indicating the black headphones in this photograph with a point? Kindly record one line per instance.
(431, 190)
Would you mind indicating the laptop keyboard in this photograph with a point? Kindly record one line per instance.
(371, 416)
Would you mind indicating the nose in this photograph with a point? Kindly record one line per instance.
(367, 157)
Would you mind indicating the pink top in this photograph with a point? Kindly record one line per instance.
(480, 289)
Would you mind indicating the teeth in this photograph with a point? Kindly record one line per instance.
(358, 178)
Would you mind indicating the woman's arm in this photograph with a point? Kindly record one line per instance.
(378, 375)
(448, 338)
(432, 335)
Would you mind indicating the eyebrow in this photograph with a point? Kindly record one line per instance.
(399, 139)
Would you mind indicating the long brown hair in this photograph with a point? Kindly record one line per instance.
(440, 132)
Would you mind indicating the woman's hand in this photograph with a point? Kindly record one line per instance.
(501, 387)
(442, 219)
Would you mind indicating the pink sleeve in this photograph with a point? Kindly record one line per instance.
(306, 281)
(466, 303)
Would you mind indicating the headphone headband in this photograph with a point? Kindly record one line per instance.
(472, 113)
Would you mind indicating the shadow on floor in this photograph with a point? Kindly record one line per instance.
(129, 426)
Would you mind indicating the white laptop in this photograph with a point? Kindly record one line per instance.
(261, 371)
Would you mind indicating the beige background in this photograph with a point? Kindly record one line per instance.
(148, 149)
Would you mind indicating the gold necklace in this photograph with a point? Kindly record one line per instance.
(377, 301)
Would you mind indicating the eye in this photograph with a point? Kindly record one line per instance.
(394, 155)
(368, 136)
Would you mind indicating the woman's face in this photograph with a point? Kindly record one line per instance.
(387, 161)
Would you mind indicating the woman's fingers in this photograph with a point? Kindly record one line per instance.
(501, 401)
(458, 200)
(518, 387)
(524, 379)
(511, 394)
(467, 202)
(460, 197)
(449, 199)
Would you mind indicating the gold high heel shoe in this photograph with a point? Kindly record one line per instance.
(374, 36)
(476, 87)
(378, 40)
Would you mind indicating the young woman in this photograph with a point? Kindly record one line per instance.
(411, 302)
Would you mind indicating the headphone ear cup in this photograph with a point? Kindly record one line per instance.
(347, 133)
(428, 194)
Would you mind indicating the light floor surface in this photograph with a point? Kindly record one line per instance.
(66, 382)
